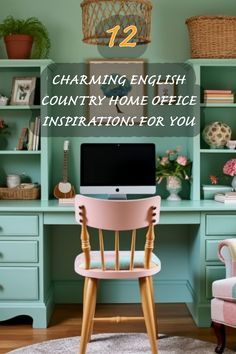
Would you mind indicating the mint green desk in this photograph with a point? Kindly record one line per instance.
(28, 287)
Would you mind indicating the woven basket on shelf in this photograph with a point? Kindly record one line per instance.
(19, 193)
(212, 36)
(98, 16)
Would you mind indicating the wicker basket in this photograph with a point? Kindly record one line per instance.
(212, 36)
(19, 193)
(100, 15)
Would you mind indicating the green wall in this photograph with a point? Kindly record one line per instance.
(169, 42)
(63, 20)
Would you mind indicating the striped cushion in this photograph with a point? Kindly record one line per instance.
(225, 289)
(223, 312)
(110, 260)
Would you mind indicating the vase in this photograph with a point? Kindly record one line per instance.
(216, 135)
(3, 142)
(174, 186)
(234, 183)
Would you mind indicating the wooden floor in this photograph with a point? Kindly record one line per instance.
(173, 319)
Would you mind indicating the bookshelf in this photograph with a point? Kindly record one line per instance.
(213, 74)
(29, 164)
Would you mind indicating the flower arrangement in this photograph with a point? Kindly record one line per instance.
(230, 168)
(173, 165)
(3, 127)
(214, 179)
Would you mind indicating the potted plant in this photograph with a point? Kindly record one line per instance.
(20, 35)
(175, 168)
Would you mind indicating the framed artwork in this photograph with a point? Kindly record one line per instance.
(23, 90)
(164, 89)
(123, 70)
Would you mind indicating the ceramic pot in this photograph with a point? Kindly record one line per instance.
(18, 46)
(174, 186)
(217, 135)
(234, 183)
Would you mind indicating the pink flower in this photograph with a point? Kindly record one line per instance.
(164, 161)
(230, 168)
(182, 160)
(170, 152)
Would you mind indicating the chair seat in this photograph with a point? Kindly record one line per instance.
(223, 312)
(95, 270)
(225, 289)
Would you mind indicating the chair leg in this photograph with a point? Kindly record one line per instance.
(91, 327)
(147, 305)
(154, 305)
(88, 312)
(219, 330)
(84, 297)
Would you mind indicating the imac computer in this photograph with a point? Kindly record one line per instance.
(117, 169)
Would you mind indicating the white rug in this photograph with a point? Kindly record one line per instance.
(120, 343)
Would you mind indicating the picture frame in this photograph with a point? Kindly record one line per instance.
(164, 89)
(23, 91)
(127, 67)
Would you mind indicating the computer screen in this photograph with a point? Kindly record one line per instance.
(118, 169)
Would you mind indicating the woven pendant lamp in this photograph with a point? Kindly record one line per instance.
(101, 15)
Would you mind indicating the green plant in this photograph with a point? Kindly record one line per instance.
(31, 26)
(173, 164)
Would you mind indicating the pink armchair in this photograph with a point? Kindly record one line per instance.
(223, 304)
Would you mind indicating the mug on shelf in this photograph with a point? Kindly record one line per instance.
(13, 181)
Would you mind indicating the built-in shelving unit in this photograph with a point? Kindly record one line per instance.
(213, 74)
(32, 165)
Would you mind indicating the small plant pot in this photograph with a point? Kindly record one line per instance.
(18, 46)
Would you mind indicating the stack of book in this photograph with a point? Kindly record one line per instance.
(218, 96)
(29, 138)
(227, 198)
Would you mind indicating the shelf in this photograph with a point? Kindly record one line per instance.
(217, 151)
(24, 63)
(19, 152)
(6, 108)
(218, 105)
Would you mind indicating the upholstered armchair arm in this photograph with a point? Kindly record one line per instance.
(227, 254)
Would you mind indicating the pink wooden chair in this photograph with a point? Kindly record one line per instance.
(117, 215)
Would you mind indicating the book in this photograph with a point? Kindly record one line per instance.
(218, 91)
(227, 198)
(22, 141)
(36, 134)
(31, 135)
(66, 201)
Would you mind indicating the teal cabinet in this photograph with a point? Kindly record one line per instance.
(212, 250)
(25, 286)
(213, 273)
(19, 283)
(18, 225)
(221, 225)
(18, 251)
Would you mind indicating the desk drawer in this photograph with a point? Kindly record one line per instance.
(213, 273)
(19, 225)
(18, 251)
(221, 224)
(18, 283)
